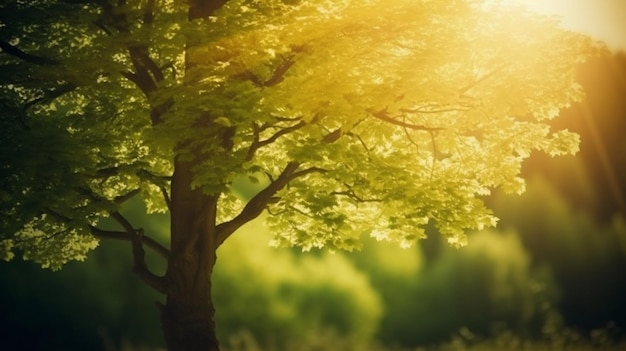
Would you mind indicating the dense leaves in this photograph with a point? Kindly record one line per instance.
(362, 117)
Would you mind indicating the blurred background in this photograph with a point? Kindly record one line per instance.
(555, 268)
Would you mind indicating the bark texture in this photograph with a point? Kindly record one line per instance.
(187, 317)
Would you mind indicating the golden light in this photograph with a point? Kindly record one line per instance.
(601, 19)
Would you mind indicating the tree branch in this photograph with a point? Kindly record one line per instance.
(146, 85)
(277, 77)
(286, 119)
(143, 62)
(16, 52)
(125, 223)
(339, 132)
(383, 116)
(304, 172)
(123, 198)
(141, 77)
(280, 133)
(352, 194)
(133, 77)
(257, 204)
(136, 237)
(118, 235)
(51, 94)
(279, 73)
(166, 198)
(109, 16)
(332, 136)
(204, 8)
(148, 241)
(443, 110)
(140, 268)
(257, 144)
(361, 141)
(148, 12)
(147, 73)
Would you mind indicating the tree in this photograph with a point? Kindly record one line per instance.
(358, 117)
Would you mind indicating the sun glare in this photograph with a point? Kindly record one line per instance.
(601, 19)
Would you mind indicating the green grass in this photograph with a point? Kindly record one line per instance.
(599, 340)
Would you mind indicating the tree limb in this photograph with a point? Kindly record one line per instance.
(143, 63)
(166, 198)
(443, 110)
(133, 77)
(352, 194)
(204, 8)
(16, 52)
(136, 237)
(117, 235)
(125, 223)
(339, 132)
(279, 73)
(304, 172)
(257, 144)
(123, 198)
(361, 141)
(141, 77)
(141, 269)
(383, 116)
(51, 94)
(332, 136)
(257, 204)
(147, 73)
(277, 77)
(148, 12)
(281, 132)
(286, 119)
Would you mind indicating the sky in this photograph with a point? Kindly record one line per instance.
(604, 20)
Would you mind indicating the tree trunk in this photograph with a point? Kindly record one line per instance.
(187, 317)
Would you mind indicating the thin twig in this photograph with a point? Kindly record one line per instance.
(383, 116)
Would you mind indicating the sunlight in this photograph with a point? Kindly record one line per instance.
(600, 19)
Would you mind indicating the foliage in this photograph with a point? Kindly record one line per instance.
(488, 287)
(508, 293)
(581, 251)
(282, 297)
(382, 116)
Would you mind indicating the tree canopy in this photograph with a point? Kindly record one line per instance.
(368, 117)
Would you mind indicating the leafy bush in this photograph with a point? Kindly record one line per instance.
(488, 286)
(279, 296)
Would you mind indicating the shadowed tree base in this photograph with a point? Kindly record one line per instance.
(189, 328)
